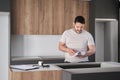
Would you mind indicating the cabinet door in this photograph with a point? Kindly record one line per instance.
(46, 16)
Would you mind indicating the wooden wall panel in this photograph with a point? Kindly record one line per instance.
(24, 16)
(58, 16)
(13, 16)
(74, 8)
(86, 14)
(47, 28)
(69, 13)
(17, 16)
(41, 16)
(31, 16)
(46, 16)
(82, 8)
(45, 20)
(21, 15)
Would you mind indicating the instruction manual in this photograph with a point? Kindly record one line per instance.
(24, 67)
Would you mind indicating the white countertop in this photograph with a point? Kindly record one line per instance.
(51, 67)
(104, 67)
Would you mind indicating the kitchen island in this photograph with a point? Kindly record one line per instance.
(91, 71)
(71, 71)
(42, 73)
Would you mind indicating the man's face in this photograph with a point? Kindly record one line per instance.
(78, 27)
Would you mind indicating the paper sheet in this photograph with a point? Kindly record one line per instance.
(24, 67)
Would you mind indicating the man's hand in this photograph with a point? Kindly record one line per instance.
(63, 47)
(71, 51)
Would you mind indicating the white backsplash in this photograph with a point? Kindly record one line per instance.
(35, 45)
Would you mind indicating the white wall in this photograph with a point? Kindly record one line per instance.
(35, 45)
(4, 45)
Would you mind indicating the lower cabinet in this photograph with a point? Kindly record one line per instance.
(35, 75)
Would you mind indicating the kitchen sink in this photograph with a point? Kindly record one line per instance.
(74, 66)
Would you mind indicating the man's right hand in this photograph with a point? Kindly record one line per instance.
(71, 51)
(63, 47)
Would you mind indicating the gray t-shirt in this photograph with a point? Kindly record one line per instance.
(77, 42)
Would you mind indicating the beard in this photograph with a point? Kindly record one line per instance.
(78, 31)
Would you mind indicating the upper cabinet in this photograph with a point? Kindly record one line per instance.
(46, 16)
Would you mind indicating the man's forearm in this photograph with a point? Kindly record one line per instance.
(89, 53)
(63, 48)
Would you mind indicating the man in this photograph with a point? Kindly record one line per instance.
(77, 43)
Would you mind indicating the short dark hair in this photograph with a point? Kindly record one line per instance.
(79, 19)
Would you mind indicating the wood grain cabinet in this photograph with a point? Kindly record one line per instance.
(41, 74)
(46, 16)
